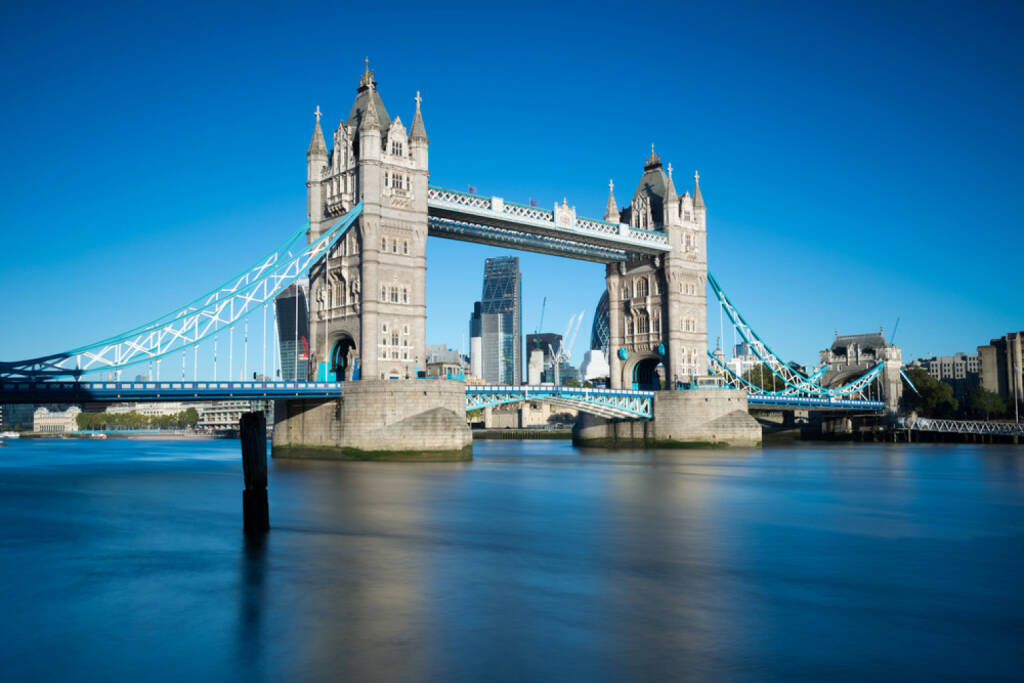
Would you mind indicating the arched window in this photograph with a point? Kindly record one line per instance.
(394, 339)
(383, 244)
(642, 287)
(394, 246)
(405, 247)
(405, 295)
(383, 293)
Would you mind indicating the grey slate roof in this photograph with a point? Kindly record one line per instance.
(654, 184)
(355, 117)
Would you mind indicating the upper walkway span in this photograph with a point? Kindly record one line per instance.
(558, 231)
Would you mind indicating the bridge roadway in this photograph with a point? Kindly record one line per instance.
(611, 403)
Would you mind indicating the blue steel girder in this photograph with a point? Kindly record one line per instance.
(492, 220)
(609, 403)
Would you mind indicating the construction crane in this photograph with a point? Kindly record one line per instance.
(540, 325)
(564, 352)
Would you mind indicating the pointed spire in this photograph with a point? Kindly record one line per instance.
(611, 212)
(418, 131)
(698, 199)
(670, 191)
(317, 144)
(371, 119)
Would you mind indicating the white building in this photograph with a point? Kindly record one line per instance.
(155, 409)
(45, 421)
(226, 415)
(595, 365)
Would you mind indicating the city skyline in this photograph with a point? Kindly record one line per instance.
(195, 175)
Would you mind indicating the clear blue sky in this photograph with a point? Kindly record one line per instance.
(860, 161)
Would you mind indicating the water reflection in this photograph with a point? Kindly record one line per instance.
(533, 562)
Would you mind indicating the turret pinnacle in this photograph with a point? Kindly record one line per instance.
(670, 191)
(611, 213)
(418, 131)
(698, 199)
(371, 120)
(317, 144)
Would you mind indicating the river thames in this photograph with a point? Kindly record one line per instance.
(125, 560)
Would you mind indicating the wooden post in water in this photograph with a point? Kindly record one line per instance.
(253, 431)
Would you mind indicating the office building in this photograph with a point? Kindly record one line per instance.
(496, 345)
(292, 312)
(1001, 364)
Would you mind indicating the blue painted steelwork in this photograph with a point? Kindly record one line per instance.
(854, 387)
(612, 403)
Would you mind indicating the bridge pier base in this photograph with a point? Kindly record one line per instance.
(415, 419)
(682, 419)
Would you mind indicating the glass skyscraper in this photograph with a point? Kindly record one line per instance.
(497, 321)
(293, 332)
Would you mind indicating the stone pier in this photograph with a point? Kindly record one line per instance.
(692, 418)
(415, 419)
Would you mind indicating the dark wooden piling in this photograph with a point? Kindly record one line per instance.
(253, 432)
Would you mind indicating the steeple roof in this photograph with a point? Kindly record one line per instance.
(611, 212)
(418, 131)
(368, 97)
(670, 188)
(370, 118)
(317, 145)
(698, 198)
(654, 184)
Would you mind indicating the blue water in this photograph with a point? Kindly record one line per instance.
(124, 560)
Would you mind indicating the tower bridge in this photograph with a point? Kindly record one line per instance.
(370, 209)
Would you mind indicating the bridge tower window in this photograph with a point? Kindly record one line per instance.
(405, 246)
(394, 246)
(405, 295)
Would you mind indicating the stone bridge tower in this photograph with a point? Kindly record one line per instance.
(657, 304)
(367, 301)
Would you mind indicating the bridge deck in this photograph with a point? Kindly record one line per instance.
(617, 403)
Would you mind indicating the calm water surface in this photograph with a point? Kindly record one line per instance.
(124, 560)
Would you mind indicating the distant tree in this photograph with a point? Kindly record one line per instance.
(571, 382)
(762, 377)
(932, 399)
(988, 402)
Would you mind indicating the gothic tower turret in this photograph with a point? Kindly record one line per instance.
(657, 303)
(368, 300)
(316, 163)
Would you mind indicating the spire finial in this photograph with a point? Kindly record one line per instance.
(611, 185)
(317, 113)
(652, 161)
(670, 170)
(418, 100)
(698, 198)
(367, 77)
(696, 177)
